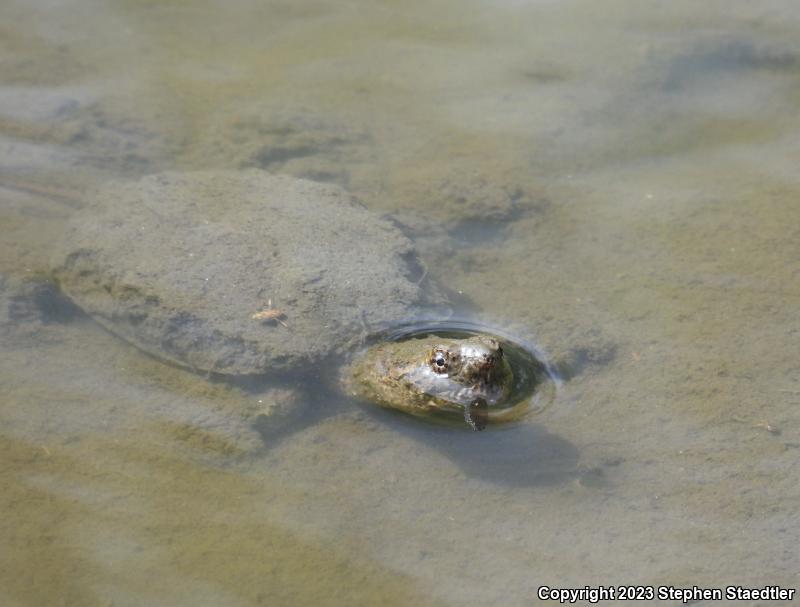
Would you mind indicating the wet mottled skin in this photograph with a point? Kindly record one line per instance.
(423, 376)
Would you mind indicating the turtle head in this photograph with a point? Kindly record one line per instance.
(472, 361)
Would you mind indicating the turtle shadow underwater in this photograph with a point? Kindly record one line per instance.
(517, 454)
(514, 454)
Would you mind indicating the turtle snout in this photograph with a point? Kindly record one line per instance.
(494, 357)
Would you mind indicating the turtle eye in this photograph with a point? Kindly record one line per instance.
(439, 362)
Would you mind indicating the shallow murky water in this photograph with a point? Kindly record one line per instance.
(616, 182)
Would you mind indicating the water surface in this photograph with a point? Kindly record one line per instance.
(615, 182)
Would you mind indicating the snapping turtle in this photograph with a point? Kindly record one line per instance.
(188, 267)
(180, 263)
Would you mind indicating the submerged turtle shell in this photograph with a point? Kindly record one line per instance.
(178, 263)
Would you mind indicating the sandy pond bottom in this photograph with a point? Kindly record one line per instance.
(617, 185)
(672, 461)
